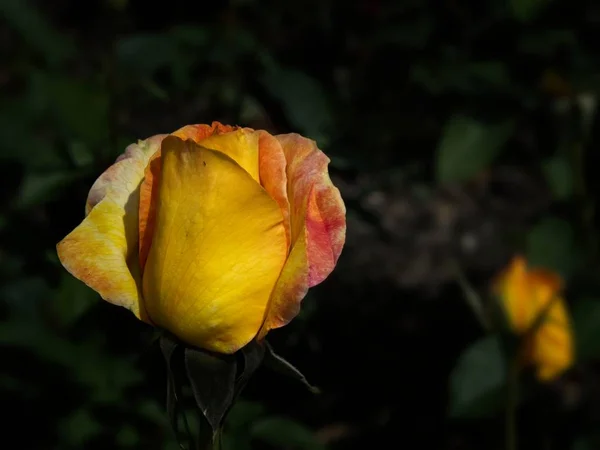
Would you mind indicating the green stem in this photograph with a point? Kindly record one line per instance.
(218, 440)
(472, 298)
(512, 387)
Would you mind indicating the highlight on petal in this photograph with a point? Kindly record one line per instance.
(150, 183)
(218, 248)
(102, 250)
(240, 145)
(317, 225)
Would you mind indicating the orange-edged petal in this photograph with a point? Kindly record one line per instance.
(273, 178)
(202, 131)
(102, 250)
(218, 248)
(318, 228)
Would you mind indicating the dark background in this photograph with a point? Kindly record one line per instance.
(460, 133)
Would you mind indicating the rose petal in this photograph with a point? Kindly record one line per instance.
(218, 249)
(318, 228)
(272, 165)
(149, 187)
(102, 250)
(553, 347)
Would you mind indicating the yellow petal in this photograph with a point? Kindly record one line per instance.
(102, 250)
(218, 249)
(553, 347)
(240, 145)
(517, 296)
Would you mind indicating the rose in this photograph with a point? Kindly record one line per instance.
(214, 233)
(535, 310)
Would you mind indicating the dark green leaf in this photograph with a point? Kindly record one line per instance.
(285, 433)
(304, 101)
(550, 244)
(212, 378)
(559, 176)
(586, 322)
(35, 30)
(468, 146)
(477, 381)
(526, 10)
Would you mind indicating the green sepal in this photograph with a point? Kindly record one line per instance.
(278, 364)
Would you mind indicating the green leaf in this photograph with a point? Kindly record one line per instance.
(278, 364)
(72, 299)
(559, 176)
(79, 428)
(550, 244)
(468, 146)
(35, 30)
(285, 433)
(39, 188)
(526, 10)
(304, 102)
(242, 414)
(478, 379)
(586, 323)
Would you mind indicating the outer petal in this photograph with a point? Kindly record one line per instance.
(553, 348)
(318, 228)
(218, 249)
(102, 250)
(273, 178)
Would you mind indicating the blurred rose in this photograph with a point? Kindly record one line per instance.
(536, 310)
(214, 233)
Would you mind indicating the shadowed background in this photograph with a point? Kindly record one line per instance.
(460, 133)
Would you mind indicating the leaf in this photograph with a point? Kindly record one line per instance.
(79, 428)
(559, 176)
(550, 244)
(304, 102)
(526, 10)
(586, 323)
(468, 146)
(212, 378)
(242, 414)
(478, 379)
(285, 433)
(39, 188)
(239, 419)
(277, 363)
(35, 30)
(590, 442)
(72, 299)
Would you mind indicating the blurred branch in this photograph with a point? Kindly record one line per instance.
(472, 298)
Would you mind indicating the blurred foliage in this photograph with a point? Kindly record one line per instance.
(415, 102)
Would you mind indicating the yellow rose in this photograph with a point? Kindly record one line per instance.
(214, 233)
(536, 310)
